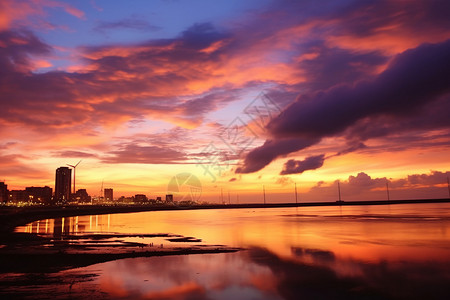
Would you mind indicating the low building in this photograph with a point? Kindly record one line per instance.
(140, 198)
(39, 194)
(17, 196)
(169, 198)
(81, 196)
(125, 200)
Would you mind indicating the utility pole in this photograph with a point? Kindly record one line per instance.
(448, 186)
(229, 200)
(387, 190)
(296, 197)
(100, 199)
(339, 191)
(264, 194)
(221, 195)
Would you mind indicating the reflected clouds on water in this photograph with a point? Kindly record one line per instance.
(258, 273)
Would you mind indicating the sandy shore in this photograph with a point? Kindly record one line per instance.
(33, 253)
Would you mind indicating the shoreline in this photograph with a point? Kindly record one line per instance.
(11, 217)
(30, 253)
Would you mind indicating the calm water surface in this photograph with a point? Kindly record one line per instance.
(369, 252)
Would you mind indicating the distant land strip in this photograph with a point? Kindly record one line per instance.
(11, 217)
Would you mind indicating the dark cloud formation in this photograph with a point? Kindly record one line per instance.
(72, 153)
(413, 79)
(259, 157)
(331, 66)
(293, 166)
(12, 165)
(121, 83)
(15, 51)
(135, 154)
(28, 98)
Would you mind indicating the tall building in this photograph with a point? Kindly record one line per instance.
(108, 195)
(3, 192)
(63, 184)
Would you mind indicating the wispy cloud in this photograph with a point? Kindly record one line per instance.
(130, 23)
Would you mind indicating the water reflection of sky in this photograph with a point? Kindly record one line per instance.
(397, 251)
(261, 274)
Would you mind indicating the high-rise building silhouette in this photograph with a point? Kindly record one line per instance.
(63, 184)
(108, 195)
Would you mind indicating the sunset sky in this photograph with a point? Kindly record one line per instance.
(240, 94)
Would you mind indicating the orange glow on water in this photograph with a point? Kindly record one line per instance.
(321, 243)
(363, 233)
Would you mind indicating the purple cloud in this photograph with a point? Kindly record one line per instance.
(293, 166)
(363, 186)
(135, 154)
(412, 80)
(260, 157)
(72, 153)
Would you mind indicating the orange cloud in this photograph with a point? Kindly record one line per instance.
(18, 11)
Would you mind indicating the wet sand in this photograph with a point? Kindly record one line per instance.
(30, 253)
(35, 266)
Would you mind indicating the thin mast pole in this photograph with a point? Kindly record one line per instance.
(339, 190)
(264, 194)
(296, 196)
(387, 190)
(448, 186)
